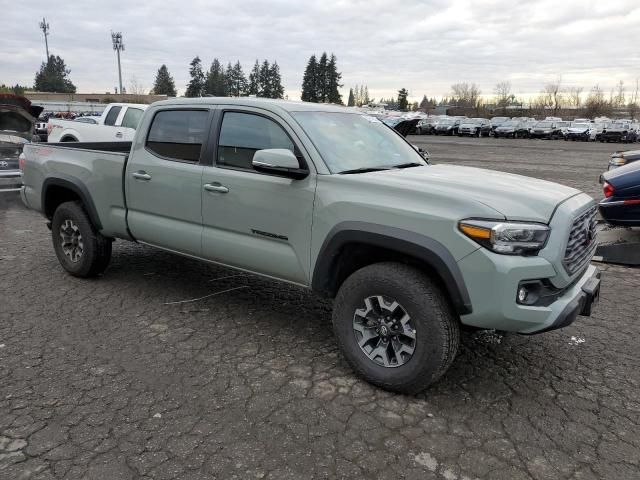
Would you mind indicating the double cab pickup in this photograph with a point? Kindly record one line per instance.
(335, 201)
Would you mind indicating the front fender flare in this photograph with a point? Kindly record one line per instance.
(423, 248)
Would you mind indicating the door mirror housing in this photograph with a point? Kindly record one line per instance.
(279, 161)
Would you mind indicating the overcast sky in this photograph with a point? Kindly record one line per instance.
(424, 46)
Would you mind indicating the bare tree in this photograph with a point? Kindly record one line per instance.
(465, 95)
(503, 94)
(596, 103)
(633, 106)
(137, 90)
(553, 93)
(574, 95)
(619, 99)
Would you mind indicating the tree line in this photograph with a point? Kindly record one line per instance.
(553, 98)
(321, 83)
(264, 80)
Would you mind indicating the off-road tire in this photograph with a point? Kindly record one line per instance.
(96, 248)
(437, 326)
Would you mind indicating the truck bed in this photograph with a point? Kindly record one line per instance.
(96, 168)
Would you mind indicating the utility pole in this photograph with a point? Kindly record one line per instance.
(44, 26)
(118, 46)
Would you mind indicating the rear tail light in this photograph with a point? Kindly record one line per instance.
(21, 161)
(608, 189)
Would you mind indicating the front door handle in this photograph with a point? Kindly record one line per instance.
(215, 187)
(141, 175)
(119, 135)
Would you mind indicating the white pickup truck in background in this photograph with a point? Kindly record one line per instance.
(116, 124)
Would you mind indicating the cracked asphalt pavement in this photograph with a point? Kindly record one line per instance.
(110, 379)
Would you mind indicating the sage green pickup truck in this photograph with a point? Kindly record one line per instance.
(333, 200)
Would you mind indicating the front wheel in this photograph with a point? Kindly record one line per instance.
(395, 327)
(81, 249)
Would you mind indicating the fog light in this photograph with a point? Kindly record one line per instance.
(522, 294)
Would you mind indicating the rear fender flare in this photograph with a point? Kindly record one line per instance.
(76, 186)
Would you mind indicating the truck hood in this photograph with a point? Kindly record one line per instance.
(577, 130)
(515, 197)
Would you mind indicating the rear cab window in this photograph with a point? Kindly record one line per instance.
(178, 134)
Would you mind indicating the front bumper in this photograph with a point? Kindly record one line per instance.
(493, 280)
(10, 181)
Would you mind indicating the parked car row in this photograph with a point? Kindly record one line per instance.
(552, 128)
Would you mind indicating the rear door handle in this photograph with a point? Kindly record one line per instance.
(119, 135)
(141, 175)
(215, 187)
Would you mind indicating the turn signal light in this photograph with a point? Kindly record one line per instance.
(608, 189)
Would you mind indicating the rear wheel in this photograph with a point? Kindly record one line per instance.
(81, 249)
(395, 327)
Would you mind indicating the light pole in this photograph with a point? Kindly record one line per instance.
(44, 26)
(118, 46)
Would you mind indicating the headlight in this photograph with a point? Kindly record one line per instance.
(617, 161)
(509, 238)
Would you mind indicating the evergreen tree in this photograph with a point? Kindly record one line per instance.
(360, 95)
(402, 99)
(277, 90)
(215, 84)
(254, 78)
(195, 88)
(351, 101)
(237, 85)
(332, 82)
(424, 103)
(309, 86)
(264, 80)
(53, 77)
(321, 79)
(366, 99)
(164, 84)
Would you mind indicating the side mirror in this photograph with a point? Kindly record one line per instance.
(278, 161)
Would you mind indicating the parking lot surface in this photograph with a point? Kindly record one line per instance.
(113, 378)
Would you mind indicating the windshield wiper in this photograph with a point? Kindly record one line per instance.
(409, 165)
(363, 170)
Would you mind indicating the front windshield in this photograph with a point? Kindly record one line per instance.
(580, 125)
(348, 141)
(544, 124)
(511, 123)
(446, 121)
(499, 119)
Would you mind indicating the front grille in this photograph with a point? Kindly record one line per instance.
(582, 241)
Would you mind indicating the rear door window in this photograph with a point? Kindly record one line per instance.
(112, 115)
(178, 134)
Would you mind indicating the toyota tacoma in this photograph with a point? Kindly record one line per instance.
(332, 200)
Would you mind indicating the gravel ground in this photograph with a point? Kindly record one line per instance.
(102, 379)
